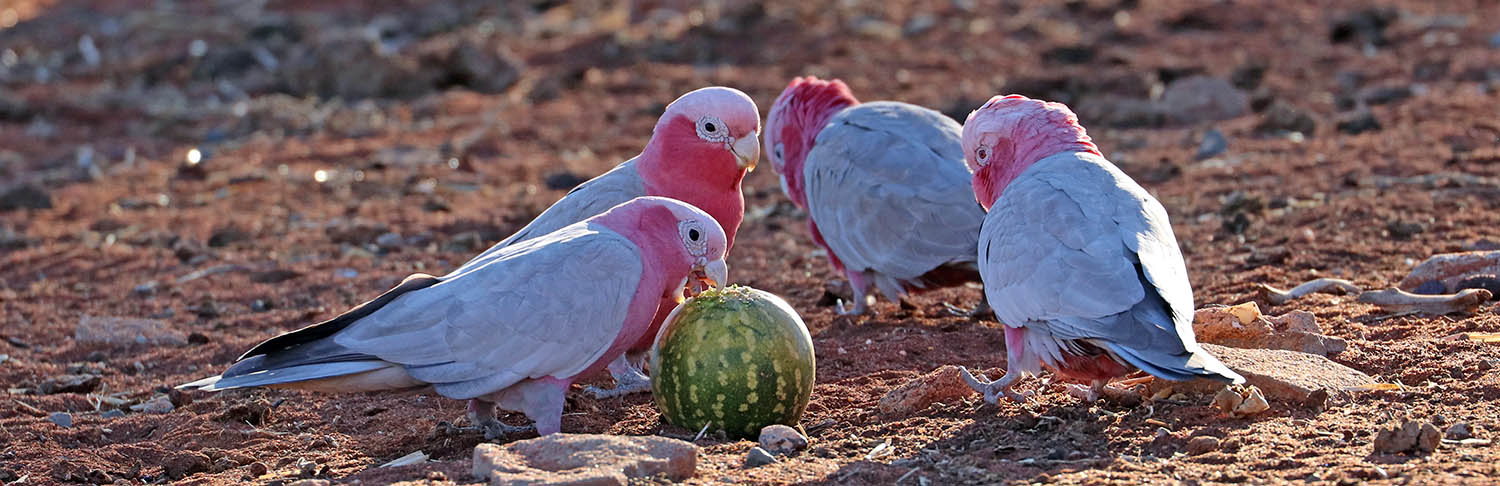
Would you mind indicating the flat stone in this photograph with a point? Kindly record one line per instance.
(1280, 374)
(758, 457)
(1196, 99)
(940, 385)
(62, 419)
(1243, 326)
(125, 330)
(1202, 445)
(81, 383)
(585, 460)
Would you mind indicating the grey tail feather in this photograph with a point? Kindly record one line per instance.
(1178, 367)
(280, 376)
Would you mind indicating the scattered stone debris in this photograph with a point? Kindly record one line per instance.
(942, 384)
(1196, 99)
(758, 457)
(112, 413)
(1411, 436)
(585, 459)
(62, 419)
(1213, 144)
(1284, 117)
(781, 439)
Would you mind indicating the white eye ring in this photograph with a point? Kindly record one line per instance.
(982, 154)
(712, 129)
(693, 237)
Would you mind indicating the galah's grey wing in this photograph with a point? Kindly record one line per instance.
(549, 306)
(586, 200)
(887, 186)
(1076, 248)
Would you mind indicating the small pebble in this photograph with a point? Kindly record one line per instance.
(758, 457)
(1458, 431)
(1213, 144)
(112, 413)
(62, 419)
(781, 439)
(1202, 445)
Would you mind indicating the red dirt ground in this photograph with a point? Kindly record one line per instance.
(124, 212)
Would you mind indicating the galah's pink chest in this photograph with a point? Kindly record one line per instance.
(817, 237)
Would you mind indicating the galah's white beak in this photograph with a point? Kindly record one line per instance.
(709, 274)
(716, 273)
(747, 150)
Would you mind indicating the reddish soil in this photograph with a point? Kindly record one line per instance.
(104, 130)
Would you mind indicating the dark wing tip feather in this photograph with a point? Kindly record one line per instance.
(327, 328)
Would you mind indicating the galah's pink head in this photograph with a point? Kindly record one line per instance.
(674, 237)
(708, 134)
(1009, 133)
(802, 110)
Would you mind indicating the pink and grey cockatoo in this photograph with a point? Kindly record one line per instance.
(514, 328)
(1078, 260)
(699, 152)
(884, 185)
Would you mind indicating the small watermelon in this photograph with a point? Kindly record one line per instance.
(736, 358)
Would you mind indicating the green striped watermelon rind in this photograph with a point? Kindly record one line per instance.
(711, 363)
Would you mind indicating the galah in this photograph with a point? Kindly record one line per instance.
(514, 328)
(700, 150)
(885, 187)
(1078, 260)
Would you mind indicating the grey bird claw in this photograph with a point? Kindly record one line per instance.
(957, 311)
(852, 310)
(993, 390)
(620, 389)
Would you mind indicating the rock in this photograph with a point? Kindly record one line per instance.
(581, 459)
(306, 468)
(62, 419)
(227, 235)
(353, 68)
(390, 240)
(758, 457)
(1226, 400)
(157, 404)
(112, 413)
(1381, 95)
(1411, 436)
(1365, 26)
(1284, 117)
(1363, 121)
(781, 439)
(80, 383)
(11, 239)
(1079, 54)
(876, 29)
(1202, 445)
(1451, 268)
(1213, 144)
(25, 196)
(1254, 403)
(1279, 374)
(124, 330)
(942, 384)
(1197, 99)
(482, 68)
(563, 180)
(1428, 438)
(1243, 326)
(310, 482)
(186, 463)
(1458, 431)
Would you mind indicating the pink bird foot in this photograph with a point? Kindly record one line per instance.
(482, 417)
(992, 390)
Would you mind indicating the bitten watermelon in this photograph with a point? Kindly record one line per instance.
(735, 358)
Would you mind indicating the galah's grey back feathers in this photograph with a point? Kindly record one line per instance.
(548, 306)
(1075, 248)
(887, 186)
(587, 200)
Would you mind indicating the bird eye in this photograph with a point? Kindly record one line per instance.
(712, 129)
(778, 151)
(693, 237)
(982, 153)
